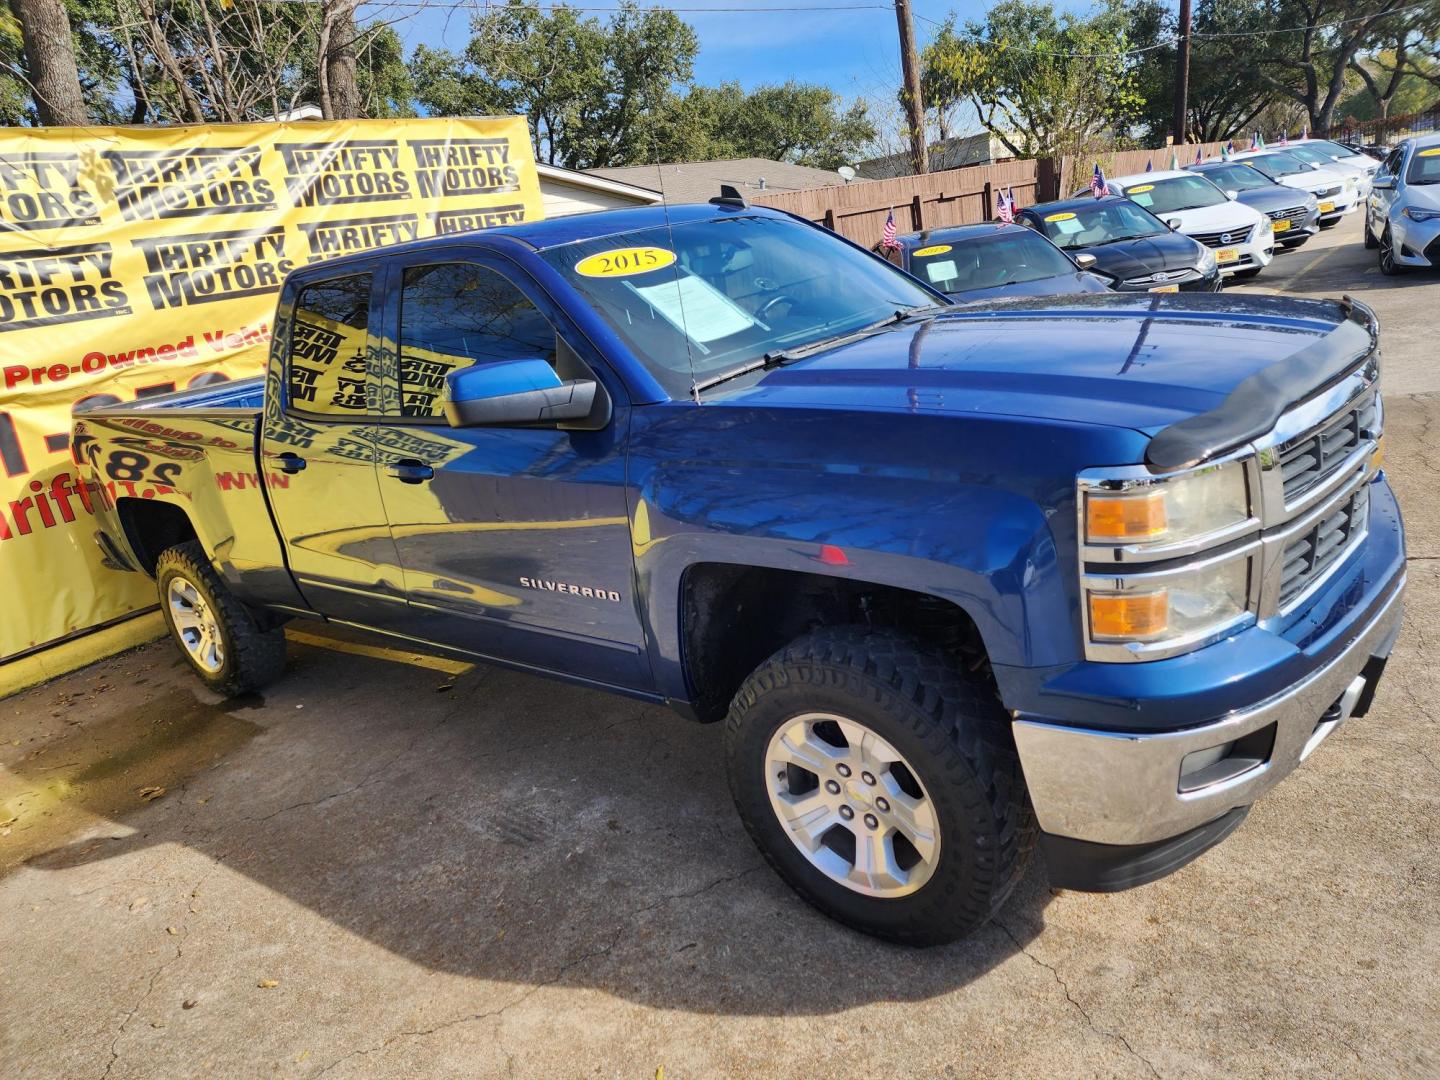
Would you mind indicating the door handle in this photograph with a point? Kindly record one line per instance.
(290, 463)
(409, 471)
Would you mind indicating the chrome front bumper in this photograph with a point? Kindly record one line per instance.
(1116, 788)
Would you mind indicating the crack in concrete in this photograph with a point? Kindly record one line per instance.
(149, 989)
(561, 972)
(1084, 1013)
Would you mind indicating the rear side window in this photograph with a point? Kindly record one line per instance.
(326, 363)
(454, 315)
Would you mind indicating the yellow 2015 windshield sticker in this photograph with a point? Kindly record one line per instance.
(1434, 151)
(933, 249)
(624, 262)
(1139, 188)
(1059, 217)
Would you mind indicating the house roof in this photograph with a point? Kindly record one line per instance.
(555, 174)
(952, 153)
(696, 181)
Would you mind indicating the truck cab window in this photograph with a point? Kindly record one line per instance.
(326, 361)
(454, 315)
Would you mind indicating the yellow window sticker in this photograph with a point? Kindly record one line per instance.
(933, 249)
(1434, 151)
(1139, 188)
(624, 262)
(1059, 217)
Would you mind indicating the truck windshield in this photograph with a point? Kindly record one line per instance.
(1002, 257)
(1175, 194)
(1098, 223)
(699, 298)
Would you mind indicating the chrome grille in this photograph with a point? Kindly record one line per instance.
(1325, 193)
(1307, 558)
(1295, 215)
(1315, 456)
(1213, 239)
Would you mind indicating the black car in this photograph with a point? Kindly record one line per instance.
(983, 262)
(1295, 215)
(1131, 246)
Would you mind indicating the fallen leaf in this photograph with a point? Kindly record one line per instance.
(301, 1056)
(268, 984)
(139, 902)
(203, 800)
(171, 931)
(189, 1003)
(660, 1073)
(501, 935)
(8, 822)
(150, 794)
(157, 1023)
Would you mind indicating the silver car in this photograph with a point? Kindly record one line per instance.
(1402, 215)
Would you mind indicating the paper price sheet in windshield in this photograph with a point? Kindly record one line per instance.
(137, 261)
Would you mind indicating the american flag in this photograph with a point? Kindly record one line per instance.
(1305, 133)
(1005, 205)
(1199, 155)
(1284, 138)
(887, 235)
(1098, 187)
(1257, 141)
(1149, 166)
(1227, 150)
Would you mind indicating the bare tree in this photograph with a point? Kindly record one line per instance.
(50, 57)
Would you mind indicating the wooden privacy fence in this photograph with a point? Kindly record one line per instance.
(960, 196)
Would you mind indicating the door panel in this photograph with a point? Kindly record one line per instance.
(517, 544)
(318, 453)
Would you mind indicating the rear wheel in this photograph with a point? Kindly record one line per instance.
(880, 784)
(225, 643)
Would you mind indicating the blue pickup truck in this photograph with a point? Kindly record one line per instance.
(1093, 573)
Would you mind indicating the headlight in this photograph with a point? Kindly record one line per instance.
(1207, 261)
(1414, 213)
(1143, 616)
(1159, 512)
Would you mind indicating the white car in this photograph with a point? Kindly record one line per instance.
(1240, 235)
(1325, 152)
(1402, 216)
(1335, 189)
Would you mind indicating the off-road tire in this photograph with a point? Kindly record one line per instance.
(253, 654)
(954, 735)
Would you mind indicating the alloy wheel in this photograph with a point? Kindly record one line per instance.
(196, 624)
(852, 805)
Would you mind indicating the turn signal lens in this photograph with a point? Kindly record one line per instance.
(1377, 456)
(1125, 517)
(1129, 616)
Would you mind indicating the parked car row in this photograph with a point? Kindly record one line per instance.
(1180, 229)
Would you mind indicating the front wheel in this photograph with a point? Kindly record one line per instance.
(226, 645)
(1370, 242)
(880, 784)
(1388, 266)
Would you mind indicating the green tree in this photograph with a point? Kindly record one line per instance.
(1042, 82)
(795, 122)
(591, 91)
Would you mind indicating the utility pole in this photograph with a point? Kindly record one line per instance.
(1182, 74)
(914, 104)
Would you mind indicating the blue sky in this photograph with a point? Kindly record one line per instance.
(855, 53)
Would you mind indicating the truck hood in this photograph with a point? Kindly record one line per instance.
(1142, 361)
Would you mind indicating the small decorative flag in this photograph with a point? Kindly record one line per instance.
(1226, 151)
(887, 235)
(1230, 146)
(1174, 161)
(1255, 141)
(1305, 133)
(1259, 142)
(1149, 166)
(1005, 206)
(1285, 138)
(1098, 185)
(1199, 155)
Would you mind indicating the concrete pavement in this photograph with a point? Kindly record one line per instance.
(385, 869)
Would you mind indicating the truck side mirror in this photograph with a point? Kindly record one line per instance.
(515, 393)
(1085, 260)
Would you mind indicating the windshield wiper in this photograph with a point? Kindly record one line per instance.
(781, 357)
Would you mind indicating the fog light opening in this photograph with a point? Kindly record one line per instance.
(1221, 764)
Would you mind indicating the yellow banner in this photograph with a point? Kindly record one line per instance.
(137, 261)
